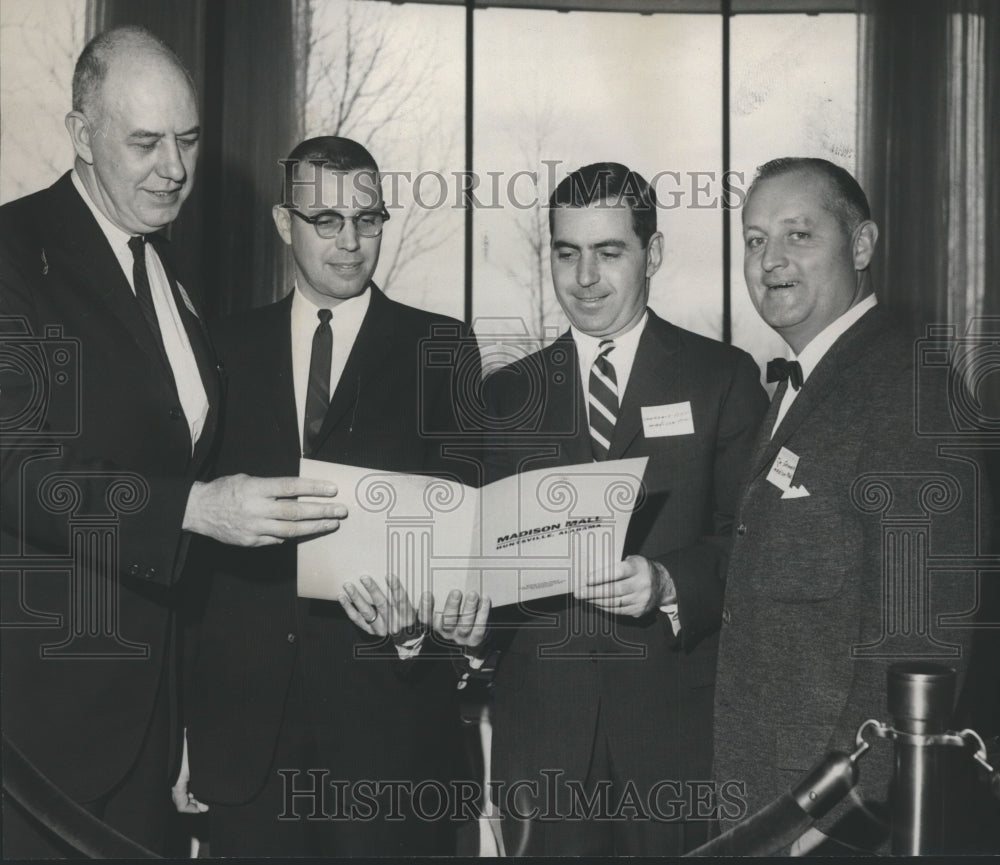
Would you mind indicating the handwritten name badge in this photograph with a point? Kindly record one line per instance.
(667, 420)
(783, 471)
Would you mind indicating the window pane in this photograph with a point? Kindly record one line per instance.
(793, 80)
(39, 43)
(393, 78)
(555, 91)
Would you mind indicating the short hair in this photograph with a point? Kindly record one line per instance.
(845, 198)
(92, 65)
(336, 154)
(332, 153)
(614, 184)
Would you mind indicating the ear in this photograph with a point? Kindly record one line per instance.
(79, 133)
(863, 245)
(283, 222)
(654, 254)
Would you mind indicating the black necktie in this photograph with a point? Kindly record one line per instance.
(144, 295)
(602, 401)
(781, 369)
(318, 394)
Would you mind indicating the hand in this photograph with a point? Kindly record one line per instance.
(184, 802)
(252, 512)
(378, 615)
(462, 620)
(635, 587)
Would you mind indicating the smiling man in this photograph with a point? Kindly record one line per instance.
(288, 691)
(109, 395)
(811, 621)
(605, 698)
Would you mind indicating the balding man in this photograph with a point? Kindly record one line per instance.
(109, 403)
(822, 594)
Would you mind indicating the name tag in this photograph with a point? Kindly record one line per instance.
(667, 420)
(783, 471)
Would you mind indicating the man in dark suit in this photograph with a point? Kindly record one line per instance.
(820, 592)
(610, 691)
(110, 400)
(292, 694)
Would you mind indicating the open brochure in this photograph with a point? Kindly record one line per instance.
(527, 536)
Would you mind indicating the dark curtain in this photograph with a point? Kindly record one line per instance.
(241, 54)
(927, 137)
(928, 114)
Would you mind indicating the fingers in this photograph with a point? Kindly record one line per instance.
(426, 611)
(289, 487)
(463, 619)
(446, 618)
(361, 611)
(626, 590)
(250, 511)
(478, 632)
(277, 531)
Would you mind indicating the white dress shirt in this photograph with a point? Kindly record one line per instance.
(183, 364)
(813, 353)
(623, 358)
(345, 320)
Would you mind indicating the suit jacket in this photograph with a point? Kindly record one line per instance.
(384, 718)
(86, 398)
(805, 586)
(562, 661)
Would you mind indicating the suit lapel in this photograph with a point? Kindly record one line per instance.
(565, 399)
(654, 370)
(370, 354)
(96, 270)
(847, 351)
(764, 435)
(275, 375)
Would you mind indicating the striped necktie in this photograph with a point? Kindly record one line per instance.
(603, 400)
(318, 393)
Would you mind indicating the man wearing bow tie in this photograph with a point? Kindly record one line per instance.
(607, 695)
(809, 625)
(110, 401)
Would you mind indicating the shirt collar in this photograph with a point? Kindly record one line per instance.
(625, 343)
(345, 313)
(813, 353)
(116, 237)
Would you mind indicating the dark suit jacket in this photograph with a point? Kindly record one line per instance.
(806, 583)
(85, 396)
(652, 690)
(386, 719)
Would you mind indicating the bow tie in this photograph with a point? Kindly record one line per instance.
(779, 369)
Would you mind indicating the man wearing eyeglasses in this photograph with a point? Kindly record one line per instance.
(342, 701)
(109, 406)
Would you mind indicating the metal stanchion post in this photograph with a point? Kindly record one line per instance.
(921, 696)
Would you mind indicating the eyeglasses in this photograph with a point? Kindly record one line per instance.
(328, 223)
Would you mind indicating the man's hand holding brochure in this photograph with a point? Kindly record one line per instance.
(524, 537)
